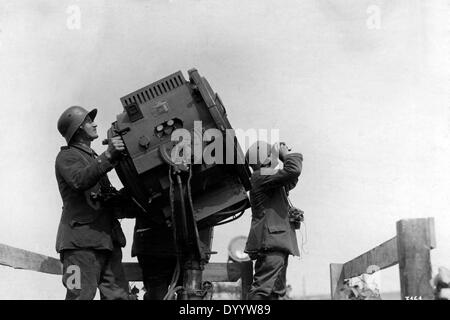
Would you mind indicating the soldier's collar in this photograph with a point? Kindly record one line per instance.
(83, 147)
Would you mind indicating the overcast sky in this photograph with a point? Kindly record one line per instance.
(360, 88)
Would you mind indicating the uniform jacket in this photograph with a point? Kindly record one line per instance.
(85, 223)
(151, 234)
(270, 227)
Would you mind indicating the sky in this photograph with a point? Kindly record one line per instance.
(360, 88)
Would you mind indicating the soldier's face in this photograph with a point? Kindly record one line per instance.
(90, 129)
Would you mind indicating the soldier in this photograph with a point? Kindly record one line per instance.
(90, 237)
(272, 236)
(153, 245)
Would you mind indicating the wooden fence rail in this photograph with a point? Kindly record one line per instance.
(215, 272)
(410, 249)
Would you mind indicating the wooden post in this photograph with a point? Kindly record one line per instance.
(246, 278)
(415, 239)
(336, 279)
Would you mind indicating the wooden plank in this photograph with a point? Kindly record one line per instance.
(415, 239)
(430, 233)
(23, 259)
(336, 280)
(215, 272)
(380, 257)
(222, 272)
(27, 260)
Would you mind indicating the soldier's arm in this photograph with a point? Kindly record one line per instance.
(286, 177)
(77, 173)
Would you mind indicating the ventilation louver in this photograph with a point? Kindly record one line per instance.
(154, 90)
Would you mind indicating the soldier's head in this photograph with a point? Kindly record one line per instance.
(76, 123)
(260, 154)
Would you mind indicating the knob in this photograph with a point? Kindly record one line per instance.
(144, 142)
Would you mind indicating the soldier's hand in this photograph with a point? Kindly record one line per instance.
(283, 151)
(115, 148)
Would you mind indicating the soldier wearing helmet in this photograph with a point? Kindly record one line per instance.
(89, 237)
(272, 236)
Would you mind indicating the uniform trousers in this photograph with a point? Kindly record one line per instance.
(269, 280)
(85, 270)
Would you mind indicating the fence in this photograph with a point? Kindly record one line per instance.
(214, 272)
(410, 249)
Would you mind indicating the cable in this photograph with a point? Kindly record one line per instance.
(172, 287)
(231, 219)
(232, 212)
(304, 240)
(191, 204)
(176, 273)
(306, 234)
(173, 291)
(137, 203)
(237, 213)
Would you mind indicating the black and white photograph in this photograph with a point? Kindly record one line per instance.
(225, 150)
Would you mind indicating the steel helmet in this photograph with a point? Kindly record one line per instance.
(71, 120)
(259, 154)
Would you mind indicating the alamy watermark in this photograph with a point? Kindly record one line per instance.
(73, 21)
(209, 145)
(73, 281)
(373, 21)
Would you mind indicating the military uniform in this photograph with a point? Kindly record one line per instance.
(89, 234)
(272, 238)
(153, 244)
